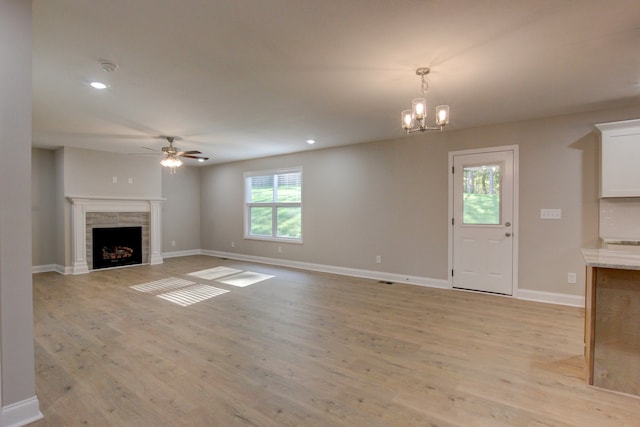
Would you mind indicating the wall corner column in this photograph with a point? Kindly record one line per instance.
(79, 236)
(155, 236)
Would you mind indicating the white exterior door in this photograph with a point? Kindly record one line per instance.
(483, 222)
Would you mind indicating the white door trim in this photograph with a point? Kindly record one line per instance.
(516, 205)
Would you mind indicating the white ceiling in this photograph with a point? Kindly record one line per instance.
(240, 79)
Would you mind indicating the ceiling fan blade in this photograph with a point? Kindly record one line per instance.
(145, 154)
(152, 149)
(181, 153)
(193, 157)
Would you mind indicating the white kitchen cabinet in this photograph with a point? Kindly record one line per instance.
(620, 159)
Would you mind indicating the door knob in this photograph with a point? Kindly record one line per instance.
(507, 224)
(507, 234)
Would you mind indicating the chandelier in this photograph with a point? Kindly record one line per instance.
(415, 120)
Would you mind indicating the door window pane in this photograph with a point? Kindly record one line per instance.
(481, 194)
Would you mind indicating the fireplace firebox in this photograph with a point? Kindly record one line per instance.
(116, 246)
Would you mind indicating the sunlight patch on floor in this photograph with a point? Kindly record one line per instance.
(192, 294)
(214, 273)
(162, 285)
(245, 278)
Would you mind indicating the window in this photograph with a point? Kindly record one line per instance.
(273, 205)
(481, 194)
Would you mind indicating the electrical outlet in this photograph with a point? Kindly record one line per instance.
(233, 244)
(130, 180)
(173, 243)
(280, 249)
(115, 179)
(571, 278)
(378, 259)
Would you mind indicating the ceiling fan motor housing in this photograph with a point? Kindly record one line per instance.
(170, 150)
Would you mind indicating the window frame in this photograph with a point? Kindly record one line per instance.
(273, 204)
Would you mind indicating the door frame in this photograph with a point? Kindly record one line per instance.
(516, 205)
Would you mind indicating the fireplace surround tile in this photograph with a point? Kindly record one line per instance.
(117, 219)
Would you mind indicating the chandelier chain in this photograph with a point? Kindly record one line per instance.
(425, 85)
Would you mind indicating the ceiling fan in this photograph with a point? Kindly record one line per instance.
(171, 154)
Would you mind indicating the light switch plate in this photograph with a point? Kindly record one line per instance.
(550, 213)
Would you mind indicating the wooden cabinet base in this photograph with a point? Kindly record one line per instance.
(613, 341)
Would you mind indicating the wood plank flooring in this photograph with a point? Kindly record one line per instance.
(307, 349)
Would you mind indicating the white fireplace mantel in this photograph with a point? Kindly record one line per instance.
(81, 205)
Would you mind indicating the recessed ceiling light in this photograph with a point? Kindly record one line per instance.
(98, 85)
(311, 141)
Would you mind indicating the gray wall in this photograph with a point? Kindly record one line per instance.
(16, 311)
(63, 214)
(181, 209)
(91, 172)
(358, 202)
(390, 198)
(84, 173)
(43, 207)
(77, 172)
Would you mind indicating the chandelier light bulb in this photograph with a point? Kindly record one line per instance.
(419, 108)
(442, 115)
(407, 119)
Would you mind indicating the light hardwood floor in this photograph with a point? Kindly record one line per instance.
(307, 349)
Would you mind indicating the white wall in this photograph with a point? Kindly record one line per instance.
(17, 375)
(390, 198)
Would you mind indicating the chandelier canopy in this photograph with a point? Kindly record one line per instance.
(415, 120)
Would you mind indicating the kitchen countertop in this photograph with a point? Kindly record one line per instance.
(622, 242)
(607, 258)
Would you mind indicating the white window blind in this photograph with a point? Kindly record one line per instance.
(273, 205)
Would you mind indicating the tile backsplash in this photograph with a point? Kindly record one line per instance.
(620, 219)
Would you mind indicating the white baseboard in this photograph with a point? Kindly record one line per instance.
(64, 270)
(51, 267)
(21, 413)
(551, 297)
(43, 268)
(345, 271)
(524, 294)
(175, 254)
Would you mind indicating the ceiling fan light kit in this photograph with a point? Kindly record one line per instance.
(172, 153)
(415, 120)
(171, 162)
